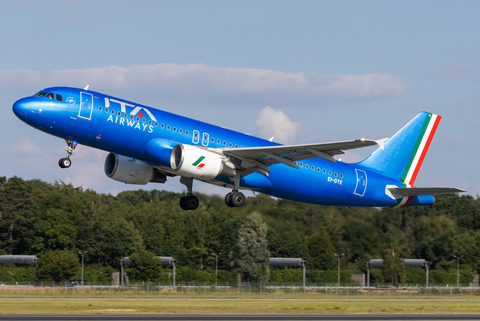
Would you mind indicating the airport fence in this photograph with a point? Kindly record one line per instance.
(197, 289)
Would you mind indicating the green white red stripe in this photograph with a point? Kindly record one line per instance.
(420, 150)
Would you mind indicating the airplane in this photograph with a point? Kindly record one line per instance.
(147, 145)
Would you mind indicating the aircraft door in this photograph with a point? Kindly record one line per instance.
(361, 182)
(196, 137)
(86, 106)
(205, 139)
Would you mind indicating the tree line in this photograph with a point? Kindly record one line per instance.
(56, 221)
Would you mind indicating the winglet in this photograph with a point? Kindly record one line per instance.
(381, 142)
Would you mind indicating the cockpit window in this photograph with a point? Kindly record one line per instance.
(59, 97)
(40, 94)
(50, 95)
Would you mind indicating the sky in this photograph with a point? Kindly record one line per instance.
(300, 71)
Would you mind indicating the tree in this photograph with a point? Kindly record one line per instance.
(250, 255)
(144, 267)
(393, 269)
(58, 266)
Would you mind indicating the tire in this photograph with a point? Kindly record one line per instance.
(237, 199)
(228, 200)
(183, 203)
(192, 202)
(65, 162)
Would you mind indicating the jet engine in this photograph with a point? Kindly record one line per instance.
(130, 171)
(192, 161)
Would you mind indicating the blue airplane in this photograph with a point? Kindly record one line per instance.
(148, 145)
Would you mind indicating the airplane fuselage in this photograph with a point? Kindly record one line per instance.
(125, 128)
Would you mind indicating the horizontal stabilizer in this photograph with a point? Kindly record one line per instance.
(407, 191)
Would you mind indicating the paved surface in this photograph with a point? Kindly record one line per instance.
(238, 317)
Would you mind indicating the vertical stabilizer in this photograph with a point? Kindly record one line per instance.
(403, 154)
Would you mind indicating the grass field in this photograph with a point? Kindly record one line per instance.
(93, 306)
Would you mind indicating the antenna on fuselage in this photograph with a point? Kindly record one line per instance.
(271, 139)
(86, 88)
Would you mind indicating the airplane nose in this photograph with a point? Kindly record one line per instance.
(19, 108)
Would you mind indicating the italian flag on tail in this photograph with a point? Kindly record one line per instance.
(418, 155)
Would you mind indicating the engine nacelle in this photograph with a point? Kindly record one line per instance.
(130, 171)
(191, 161)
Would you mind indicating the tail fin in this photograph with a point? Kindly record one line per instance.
(403, 154)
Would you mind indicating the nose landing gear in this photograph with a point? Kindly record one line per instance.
(66, 162)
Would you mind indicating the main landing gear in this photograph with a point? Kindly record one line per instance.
(66, 162)
(189, 201)
(235, 198)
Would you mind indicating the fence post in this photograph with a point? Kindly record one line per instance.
(260, 287)
(227, 287)
(249, 289)
(205, 287)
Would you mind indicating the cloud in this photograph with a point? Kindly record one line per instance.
(208, 85)
(271, 122)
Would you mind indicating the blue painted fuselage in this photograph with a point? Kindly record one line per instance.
(123, 127)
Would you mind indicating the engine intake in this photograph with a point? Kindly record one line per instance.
(130, 171)
(191, 161)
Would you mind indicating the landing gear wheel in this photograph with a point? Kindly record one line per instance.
(182, 203)
(228, 200)
(189, 202)
(64, 162)
(192, 202)
(237, 199)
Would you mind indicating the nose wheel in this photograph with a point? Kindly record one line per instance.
(66, 162)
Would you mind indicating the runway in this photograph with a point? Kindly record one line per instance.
(239, 317)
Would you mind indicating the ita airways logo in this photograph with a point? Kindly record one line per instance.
(140, 112)
(199, 163)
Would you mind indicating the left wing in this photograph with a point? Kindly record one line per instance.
(259, 158)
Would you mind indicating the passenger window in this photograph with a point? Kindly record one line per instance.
(186, 132)
(313, 168)
(100, 108)
(168, 127)
(301, 164)
(341, 175)
(335, 174)
(318, 169)
(224, 143)
(218, 141)
(181, 130)
(306, 166)
(329, 172)
(324, 171)
(230, 145)
(113, 112)
(144, 120)
(59, 97)
(150, 122)
(174, 129)
(119, 113)
(236, 145)
(106, 110)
